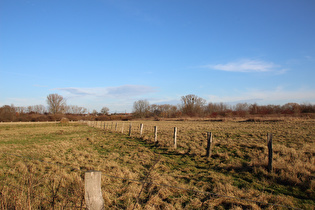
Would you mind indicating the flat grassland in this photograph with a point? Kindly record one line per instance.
(42, 165)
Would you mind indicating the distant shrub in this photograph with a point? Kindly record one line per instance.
(64, 120)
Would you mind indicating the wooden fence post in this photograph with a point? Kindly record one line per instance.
(122, 128)
(130, 129)
(209, 143)
(155, 133)
(269, 143)
(141, 129)
(93, 193)
(175, 136)
(116, 127)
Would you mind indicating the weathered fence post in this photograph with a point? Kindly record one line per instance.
(141, 129)
(130, 129)
(93, 193)
(116, 127)
(122, 128)
(269, 143)
(175, 135)
(155, 133)
(209, 143)
(104, 125)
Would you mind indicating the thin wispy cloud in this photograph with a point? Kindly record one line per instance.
(247, 66)
(115, 92)
(268, 96)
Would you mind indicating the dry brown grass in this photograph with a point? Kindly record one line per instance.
(237, 167)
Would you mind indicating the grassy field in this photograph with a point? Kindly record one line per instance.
(42, 165)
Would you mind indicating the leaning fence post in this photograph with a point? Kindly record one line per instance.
(269, 143)
(93, 193)
(209, 142)
(175, 134)
(155, 133)
(130, 129)
(141, 129)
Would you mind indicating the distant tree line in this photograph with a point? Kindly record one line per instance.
(194, 106)
(190, 106)
(56, 109)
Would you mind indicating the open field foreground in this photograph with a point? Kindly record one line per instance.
(42, 165)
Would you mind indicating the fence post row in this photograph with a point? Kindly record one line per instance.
(209, 144)
(93, 193)
(209, 139)
(269, 143)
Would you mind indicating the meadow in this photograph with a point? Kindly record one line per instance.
(42, 165)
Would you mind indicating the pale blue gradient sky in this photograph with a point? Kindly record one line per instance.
(113, 52)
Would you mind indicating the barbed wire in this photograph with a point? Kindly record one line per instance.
(143, 182)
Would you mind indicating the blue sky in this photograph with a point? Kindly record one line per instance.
(113, 52)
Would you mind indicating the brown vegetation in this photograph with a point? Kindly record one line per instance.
(192, 106)
(57, 155)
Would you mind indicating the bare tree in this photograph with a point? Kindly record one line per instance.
(39, 109)
(192, 105)
(20, 109)
(141, 108)
(163, 110)
(7, 113)
(94, 112)
(105, 110)
(56, 103)
(291, 108)
(74, 109)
